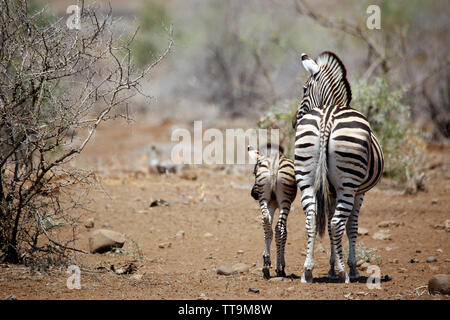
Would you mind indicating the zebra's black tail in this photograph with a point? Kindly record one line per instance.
(322, 188)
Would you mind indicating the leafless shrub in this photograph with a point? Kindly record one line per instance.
(54, 82)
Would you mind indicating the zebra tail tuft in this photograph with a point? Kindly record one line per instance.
(321, 188)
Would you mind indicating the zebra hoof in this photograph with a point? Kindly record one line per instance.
(343, 277)
(307, 277)
(332, 275)
(266, 273)
(281, 273)
(354, 274)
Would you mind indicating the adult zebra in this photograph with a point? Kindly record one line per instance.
(337, 160)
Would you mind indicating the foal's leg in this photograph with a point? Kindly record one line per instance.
(281, 235)
(267, 210)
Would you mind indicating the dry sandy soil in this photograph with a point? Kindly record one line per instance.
(222, 227)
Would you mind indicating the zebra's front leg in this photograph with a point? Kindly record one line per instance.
(352, 233)
(267, 218)
(280, 238)
(309, 207)
(344, 207)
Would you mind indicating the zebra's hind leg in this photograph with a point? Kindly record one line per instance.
(344, 207)
(331, 273)
(352, 233)
(267, 218)
(280, 238)
(309, 208)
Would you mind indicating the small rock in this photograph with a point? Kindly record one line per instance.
(348, 295)
(395, 261)
(402, 270)
(224, 271)
(106, 225)
(418, 251)
(360, 262)
(386, 224)
(414, 260)
(291, 289)
(364, 266)
(447, 225)
(108, 206)
(388, 249)
(208, 235)
(89, 223)
(276, 279)
(11, 297)
(439, 250)
(240, 268)
(382, 235)
(180, 234)
(202, 297)
(253, 290)
(163, 245)
(434, 201)
(431, 259)
(137, 277)
(103, 240)
(240, 252)
(439, 227)
(159, 203)
(439, 284)
(362, 231)
(387, 278)
(188, 175)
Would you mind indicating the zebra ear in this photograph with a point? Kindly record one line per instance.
(309, 64)
(253, 154)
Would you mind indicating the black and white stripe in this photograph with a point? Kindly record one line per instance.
(337, 160)
(275, 187)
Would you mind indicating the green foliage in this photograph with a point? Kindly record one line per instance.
(154, 20)
(391, 121)
(280, 117)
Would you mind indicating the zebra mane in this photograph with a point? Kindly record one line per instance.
(330, 60)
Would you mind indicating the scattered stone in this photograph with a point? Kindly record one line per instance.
(434, 201)
(291, 289)
(142, 211)
(439, 284)
(360, 262)
(276, 279)
(389, 223)
(418, 251)
(224, 271)
(202, 297)
(414, 260)
(387, 277)
(89, 223)
(253, 290)
(439, 250)
(108, 206)
(240, 268)
(364, 266)
(348, 295)
(395, 260)
(163, 245)
(11, 297)
(388, 248)
(103, 240)
(137, 277)
(382, 235)
(361, 293)
(447, 225)
(208, 235)
(362, 231)
(402, 270)
(431, 259)
(188, 175)
(126, 269)
(180, 234)
(159, 203)
(240, 252)
(439, 227)
(106, 225)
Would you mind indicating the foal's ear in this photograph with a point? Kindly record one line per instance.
(253, 154)
(309, 64)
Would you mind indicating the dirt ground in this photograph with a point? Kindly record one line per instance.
(212, 221)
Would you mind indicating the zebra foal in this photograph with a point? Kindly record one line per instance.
(274, 187)
(337, 160)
